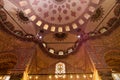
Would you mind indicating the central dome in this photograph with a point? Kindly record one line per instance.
(59, 12)
(59, 15)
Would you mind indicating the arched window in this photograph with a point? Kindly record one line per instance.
(60, 68)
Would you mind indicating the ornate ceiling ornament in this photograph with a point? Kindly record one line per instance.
(98, 14)
(60, 36)
(22, 17)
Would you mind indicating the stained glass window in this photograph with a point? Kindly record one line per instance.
(60, 68)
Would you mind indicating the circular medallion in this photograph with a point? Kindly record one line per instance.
(59, 12)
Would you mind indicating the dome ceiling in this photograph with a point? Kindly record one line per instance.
(59, 12)
(58, 15)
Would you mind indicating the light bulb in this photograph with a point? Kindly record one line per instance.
(71, 76)
(30, 77)
(84, 76)
(36, 77)
(78, 36)
(78, 76)
(50, 77)
(91, 76)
